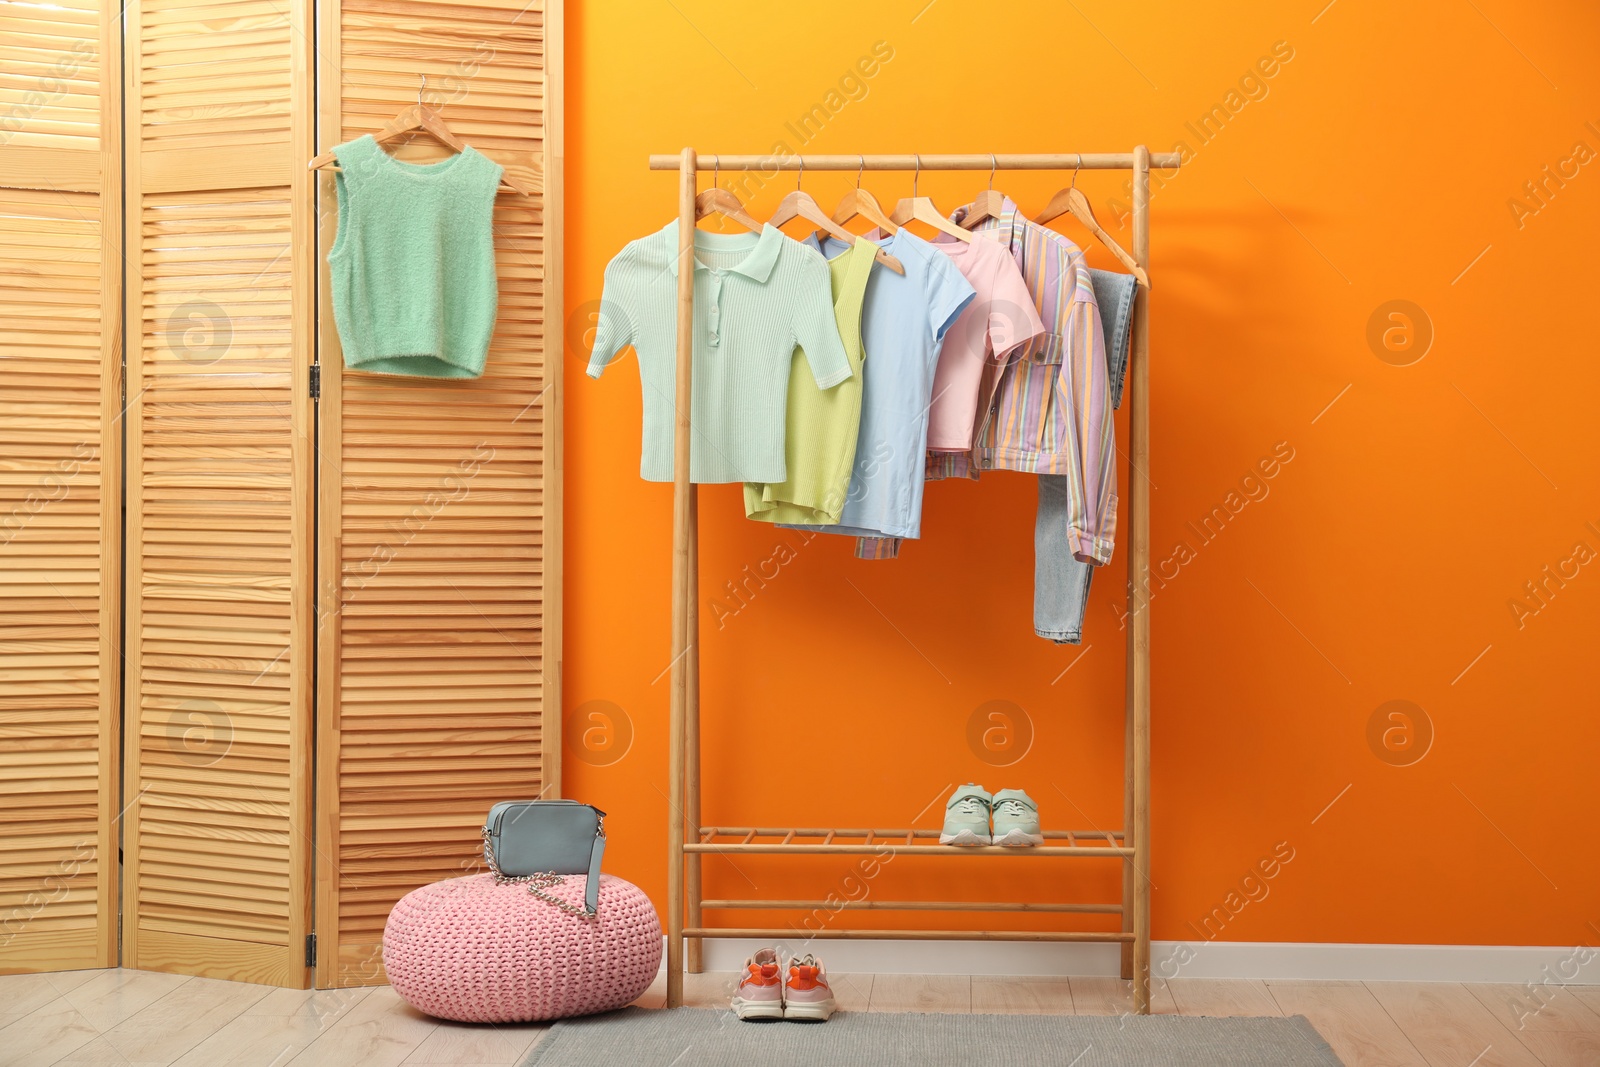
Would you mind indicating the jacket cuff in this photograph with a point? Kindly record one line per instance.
(1093, 550)
(878, 547)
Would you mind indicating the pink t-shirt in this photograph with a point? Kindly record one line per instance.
(1001, 319)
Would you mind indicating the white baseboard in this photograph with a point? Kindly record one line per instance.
(1551, 965)
(1518, 964)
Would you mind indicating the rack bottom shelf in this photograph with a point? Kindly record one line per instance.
(802, 841)
(907, 935)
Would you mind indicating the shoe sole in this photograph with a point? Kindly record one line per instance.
(964, 837)
(1019, 839)
(818, 1012)
(757, 1009)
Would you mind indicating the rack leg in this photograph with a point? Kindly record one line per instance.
(1129, 830)
(1129, 760)
(683, 549)
(691, 803)
(1139, 576)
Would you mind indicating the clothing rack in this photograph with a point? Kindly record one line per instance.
(1131, 844)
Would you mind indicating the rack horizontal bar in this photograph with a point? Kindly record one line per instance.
(901, 848)
(707, 832)
(912, 905)
(906, 935)
(907, 161)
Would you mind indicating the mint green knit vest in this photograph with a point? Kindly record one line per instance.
(412, 267)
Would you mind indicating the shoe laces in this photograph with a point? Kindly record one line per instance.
(970, 806)
(1012, 808)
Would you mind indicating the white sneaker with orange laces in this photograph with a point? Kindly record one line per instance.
(760, 992)
(806, 993)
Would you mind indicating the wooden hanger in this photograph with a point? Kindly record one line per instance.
(417, 118)
(801, 205)
(718, 201)
(922, 209)
(859, 202)
(987, 204)
(1071, 201)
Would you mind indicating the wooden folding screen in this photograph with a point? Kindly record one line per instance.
(438, 538)
(439, 514)
(220, 321)
(60, 474)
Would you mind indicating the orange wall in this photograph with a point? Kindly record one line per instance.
(1383, 562)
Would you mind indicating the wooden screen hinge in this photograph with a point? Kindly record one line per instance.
(311, 950)
(316, 381)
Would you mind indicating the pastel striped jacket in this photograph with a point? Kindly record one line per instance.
(1047, 409)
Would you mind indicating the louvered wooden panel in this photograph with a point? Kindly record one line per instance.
(60, 459)
(220, 491)
(52, 71)
(440, 500)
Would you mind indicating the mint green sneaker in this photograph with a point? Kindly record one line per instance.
(966, 817)
(1016, 820)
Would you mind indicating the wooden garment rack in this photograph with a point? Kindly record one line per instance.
(685, 901)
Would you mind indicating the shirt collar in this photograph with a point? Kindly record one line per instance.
(1010, 213)
(756, 265)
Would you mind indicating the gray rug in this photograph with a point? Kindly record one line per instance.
(690, 1037)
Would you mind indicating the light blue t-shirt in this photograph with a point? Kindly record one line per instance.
(903, 322)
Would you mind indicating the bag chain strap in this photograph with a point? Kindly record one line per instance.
(537, 883)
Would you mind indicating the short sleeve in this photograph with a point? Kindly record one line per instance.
(1013, 319)
(949, 293)
(614, 329)
(815, 328)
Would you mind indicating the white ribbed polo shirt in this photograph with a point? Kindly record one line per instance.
(756, 298)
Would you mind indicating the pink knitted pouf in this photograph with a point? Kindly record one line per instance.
(470, 950)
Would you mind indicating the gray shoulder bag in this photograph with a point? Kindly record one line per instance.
(535, 842)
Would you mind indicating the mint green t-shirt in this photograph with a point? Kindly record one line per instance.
(757, 296)
(822, 424)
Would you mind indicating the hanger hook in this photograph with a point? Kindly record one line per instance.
(1076, 166)
(716, 171)
(860, 168)
(994, 165)
(800, 177)
(916, 175)
(421, 86)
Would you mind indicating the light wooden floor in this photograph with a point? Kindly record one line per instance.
(142, 1018)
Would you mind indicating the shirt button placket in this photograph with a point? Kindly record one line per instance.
(716, 309)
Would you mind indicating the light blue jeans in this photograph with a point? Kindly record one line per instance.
(1060, 582)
